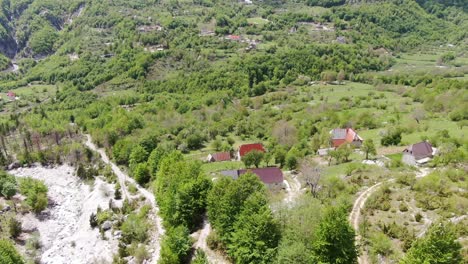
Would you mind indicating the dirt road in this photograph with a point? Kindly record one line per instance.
(354, 217)
(123, 180)
(201, 243)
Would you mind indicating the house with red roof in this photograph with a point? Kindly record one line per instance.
(233, 37)
(246, 148)
(340, 136)
(219, 156)
(11, 95)
(270, 176)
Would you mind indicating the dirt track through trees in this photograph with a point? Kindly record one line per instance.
(123, 179)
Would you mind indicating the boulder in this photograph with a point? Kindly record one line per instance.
(13, 165)
(107, 225)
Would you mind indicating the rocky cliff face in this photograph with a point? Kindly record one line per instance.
(8, 46)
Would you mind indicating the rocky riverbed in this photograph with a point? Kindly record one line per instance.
(65, 232)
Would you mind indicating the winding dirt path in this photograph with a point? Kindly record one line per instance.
(123, 179)
(355, 215)
(213, 257)
(293, 189)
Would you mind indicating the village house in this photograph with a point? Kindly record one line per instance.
(12, 96)
(419, 153)
(272, 177)
(233, 37)
(246, 148)
(340, 136)
(219, 156)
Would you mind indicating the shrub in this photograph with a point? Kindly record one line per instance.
(7, 185)
(200, 257)
(402, 207)
(418, 217)
(213, 241)
(392, 138)
(8, 190)
(9, 254)
(176, 245)
(135, 228)
(93, 220)
(406, 179)
(35, 192)
(117, 192)
(381, 244)
(14, 227)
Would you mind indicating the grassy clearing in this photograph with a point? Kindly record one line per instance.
(258, 21)
(220, 166)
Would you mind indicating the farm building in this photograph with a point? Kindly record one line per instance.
(340, 136)
(219, 156)
(246, 148)
(419, 153)
(271, 176)
(233, 37)
(11, 96)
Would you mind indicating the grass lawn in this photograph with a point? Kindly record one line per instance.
(395, 157)
(220, 166)
(257, 21)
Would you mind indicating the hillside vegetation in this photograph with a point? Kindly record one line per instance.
(159, 85)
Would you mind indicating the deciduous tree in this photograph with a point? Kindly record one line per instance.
(438, 246)
(335, 238)
(368, 147)
(253, 158)
(312, 174)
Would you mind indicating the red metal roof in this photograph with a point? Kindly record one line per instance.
(266, 175)
(221, 156)
(244, 149)
(340, 136)
(234, 37)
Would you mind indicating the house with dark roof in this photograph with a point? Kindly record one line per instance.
(340, 136)
(219, 156)
(246, 148)
(419, 153)
(270, 176)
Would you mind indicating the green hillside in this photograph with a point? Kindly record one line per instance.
(158, 85)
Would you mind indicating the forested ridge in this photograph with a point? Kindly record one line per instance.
(161, 84)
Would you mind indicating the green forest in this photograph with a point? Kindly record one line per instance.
(145, 95)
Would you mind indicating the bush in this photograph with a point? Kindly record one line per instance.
(291, 161)
(381, 244)
(402, 207)
(392, 138)
(142, 173)
(200, 257)
(117, 192)
(14, 227)
(8, 190)
(8, 253)
(213, 241)
(407, 179)
(176, 245)
(93, 220)
(135, 228)
(7, 185)
(35, 192)
(418, 217)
